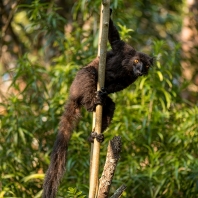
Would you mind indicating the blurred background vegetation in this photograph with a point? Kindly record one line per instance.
(43, 44)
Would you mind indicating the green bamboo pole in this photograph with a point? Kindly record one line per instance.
(104, 27)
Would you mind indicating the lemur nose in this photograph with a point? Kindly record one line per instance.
(139, 67)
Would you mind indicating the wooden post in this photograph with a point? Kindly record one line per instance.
(104, 27)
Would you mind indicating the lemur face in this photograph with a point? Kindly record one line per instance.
(137, 63)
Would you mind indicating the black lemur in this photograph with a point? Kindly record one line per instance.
(123, 66)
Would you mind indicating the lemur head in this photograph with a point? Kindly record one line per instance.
(137, 63)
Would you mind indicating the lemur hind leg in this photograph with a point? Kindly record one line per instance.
(107, 115)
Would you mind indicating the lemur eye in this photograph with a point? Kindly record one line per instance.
(136, 61)
(147, 66)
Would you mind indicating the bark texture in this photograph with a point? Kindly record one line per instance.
(113, 155)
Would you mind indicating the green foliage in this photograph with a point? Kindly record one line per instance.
(73, 193)
(158, 129)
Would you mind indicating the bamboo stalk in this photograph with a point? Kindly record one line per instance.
(94, 113)
(98, 115)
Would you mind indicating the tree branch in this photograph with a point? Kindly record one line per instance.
(113, 155)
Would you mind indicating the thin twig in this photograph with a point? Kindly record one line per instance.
(118, 192)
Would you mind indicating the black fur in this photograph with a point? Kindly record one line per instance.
(123, 66)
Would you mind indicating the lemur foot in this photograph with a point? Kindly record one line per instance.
(101, 96)
(99, 137)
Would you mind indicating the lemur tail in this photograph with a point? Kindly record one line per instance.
(56, 168)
